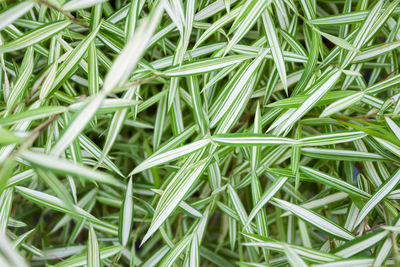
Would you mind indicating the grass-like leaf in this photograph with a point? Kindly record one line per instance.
(199, 133)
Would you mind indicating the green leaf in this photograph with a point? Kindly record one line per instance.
(360, 244)
(93, 255)
(174, 253)
(339, 41)
(105, 253)
(274, 42)
(14, 12)
(9, 256)
(206, 65)
(35, 36)
(292, 257)
(57, 204)
(194, 257)
(343, 263)
(342, 104)
(170, 155)
(21, 85)
(268, 194)
(340, 155)
(319, 89)
(33, 114)
(126, 216)
(314, 219)
(316, 256)
(67, 67)
(328, 139)
(378, 196)
(80, 4)
(176, 190)
(65, 167)
(334, 182)
(249, 14)
(8, 137)
(126, 61)
(251, 140)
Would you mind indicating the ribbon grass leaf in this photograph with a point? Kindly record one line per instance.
(199, 133)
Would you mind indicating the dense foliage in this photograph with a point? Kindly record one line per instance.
(199, 132)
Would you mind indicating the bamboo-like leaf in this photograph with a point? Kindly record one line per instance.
(378, 196)
(266, 139)
(251, 140)
(243, 23)
(315, 219)
(68, 65)
(20, 86)
(170, 155)
(186, 207)
(171, 256)
(6, 204)
(204, 66)
(93, 69)
(371, 25)
(226, 132)
(57, 204)
(334, 182)
(307, 253)
(341, 155)
(66, 167)
(321, 87)
(176, 190)
(200, 117)
(116, 125)
(35, 36)
(8, 138)
(48, 82)
(361, 243)
(105, 253)
(394, 127)
(217, 25)
(93, 255)
(12, 13)
(126, 216)
(132, 52)
(268, 194)
(339, 42)
(127, 60)
(275, 46)
(226, 106)
(9, 255)
(334, 138)
(296, 101)
(80, 4)
(342, 104)
(372, 52)
(33, 114)
(293, 258)
(194, 257)
(344, 263)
